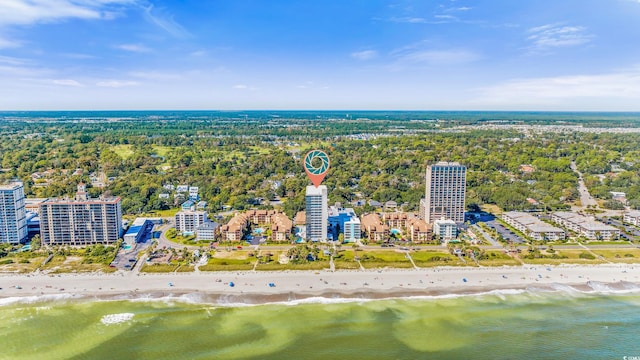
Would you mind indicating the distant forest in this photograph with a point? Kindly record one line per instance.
(238, 157)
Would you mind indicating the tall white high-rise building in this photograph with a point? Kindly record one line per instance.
(445, 192)
(82, 221)
(317, 213)
(13, 223)
(187, 221)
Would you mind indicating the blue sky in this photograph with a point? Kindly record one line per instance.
(329, 54)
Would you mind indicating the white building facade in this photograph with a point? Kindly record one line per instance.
(13, 222)
(445, 192)
(446, 229)
(187, 221)
(317, 213)
(587, 227)
(532, 226)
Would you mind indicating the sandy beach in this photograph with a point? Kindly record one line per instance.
(253, 287)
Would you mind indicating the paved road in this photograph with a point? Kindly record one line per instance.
(487, 236)
(164, 242)
(585, 198)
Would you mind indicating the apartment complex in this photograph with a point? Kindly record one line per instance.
(187, 221)
(417, 230)
(587, 227)
(81, 221)
(317, 213)
(374, 228)
(446, 229)
(278, 222)
(445, 192)
(532, 226)
(378, 229)
(632, 217)
(344, 221)
(13, 222)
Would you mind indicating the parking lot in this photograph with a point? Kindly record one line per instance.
(627, 228)
(507, 235)
(126, 259)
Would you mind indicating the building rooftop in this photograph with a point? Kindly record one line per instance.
(11, 186)
(633, 213)
(208, 225)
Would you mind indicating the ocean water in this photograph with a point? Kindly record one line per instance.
(564, 324)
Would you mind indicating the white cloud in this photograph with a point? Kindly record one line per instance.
(245, 87)
(445, 17)
(117, 83)
(165, 21)
(586, 90)
(6, 43)
(155, 75)
(67, 82)
(551, 36)
(409, 19)
(13, 60)
(435, 57)
(133, 48)
(24, 12)
(364, 55)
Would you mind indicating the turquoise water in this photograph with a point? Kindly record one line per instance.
(529, 325)
(258, 231)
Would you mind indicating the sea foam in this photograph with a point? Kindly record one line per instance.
(116, 318)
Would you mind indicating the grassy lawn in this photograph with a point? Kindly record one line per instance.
(159, 268)
(186, 268)
(72, 264)
(312, 265)
(161, 150)
(20, 265)
(228, 264)
(380, 259)
(435, 258)
(491, 208)
(237, 255)
(345, 260)
(618, 243)
(572, 257)
(162, 213)
(498, 258)
(621, 255)
(123, 150)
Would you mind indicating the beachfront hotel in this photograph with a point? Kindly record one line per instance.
(317, 213)
(13, 223)
(445, 192)
(81, 221)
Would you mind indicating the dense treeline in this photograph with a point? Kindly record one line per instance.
(236, 161)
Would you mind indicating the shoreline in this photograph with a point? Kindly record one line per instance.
(252, 288)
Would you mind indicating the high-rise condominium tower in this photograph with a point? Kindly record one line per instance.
(445, 192)
(13, 223)
(317, 213)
